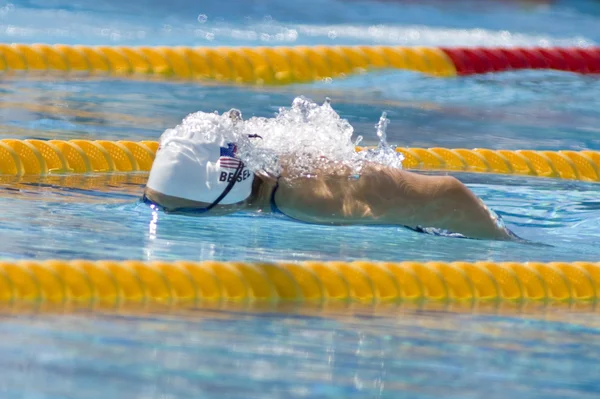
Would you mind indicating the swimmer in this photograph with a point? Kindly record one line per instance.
(206, 178)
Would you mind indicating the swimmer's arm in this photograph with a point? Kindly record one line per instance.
(389, 196)
(457, 209)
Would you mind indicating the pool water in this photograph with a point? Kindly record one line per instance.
(416, 353)
(347, 353)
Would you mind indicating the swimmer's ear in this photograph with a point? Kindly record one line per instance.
(267, 177)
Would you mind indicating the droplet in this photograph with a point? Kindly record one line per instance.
(292, 35)
(202, 18)
(382, 128)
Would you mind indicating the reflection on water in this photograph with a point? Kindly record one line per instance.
(340, 351)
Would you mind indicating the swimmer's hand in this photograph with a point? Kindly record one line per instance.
(455, 208)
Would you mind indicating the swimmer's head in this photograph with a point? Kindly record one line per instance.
(198, 162)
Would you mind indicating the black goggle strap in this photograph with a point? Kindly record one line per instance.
(237, 174)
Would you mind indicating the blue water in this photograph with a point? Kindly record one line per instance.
(401, 352)
(346, 353)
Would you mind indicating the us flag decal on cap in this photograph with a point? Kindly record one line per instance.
(227, 158)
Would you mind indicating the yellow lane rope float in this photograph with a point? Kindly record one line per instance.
(255, 65)
(39, 157)
(114, 282)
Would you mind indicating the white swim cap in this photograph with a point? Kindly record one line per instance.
(198, 161)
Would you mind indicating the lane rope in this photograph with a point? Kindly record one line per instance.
(245, 65)
(285, 65)
(38, 157)
(114, 282)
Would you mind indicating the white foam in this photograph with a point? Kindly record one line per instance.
(306, 134)
(202, 127)
(309, 135)
(404, 35)
(430, 36)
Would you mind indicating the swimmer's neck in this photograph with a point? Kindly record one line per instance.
(260, 199)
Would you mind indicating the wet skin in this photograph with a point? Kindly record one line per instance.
(380, 195)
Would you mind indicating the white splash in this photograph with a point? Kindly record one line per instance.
(303, 134)
(384, 154)
(306, 135)
(431, 36)
(202, 127)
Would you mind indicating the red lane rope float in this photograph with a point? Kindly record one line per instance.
(478, 60)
